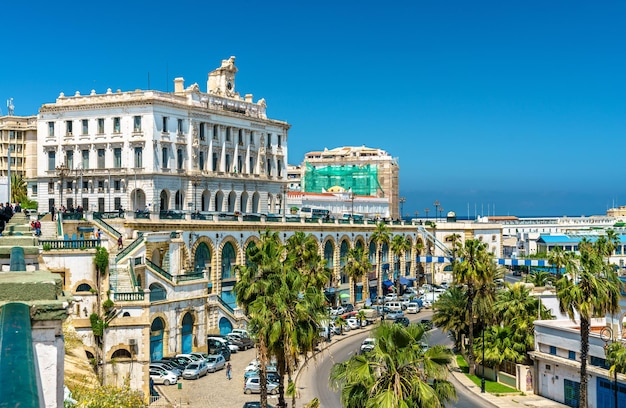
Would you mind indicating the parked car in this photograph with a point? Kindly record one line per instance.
(255, 404)
(428, 324)
(393, 315)
(271, 374)
(224, 351)
(390, 296)
(167, 366)
(413, 308)
(337, 310)
(402, 320)
(215, 362)
(201, 355)
(253, 385)
(348, 307)
(191, 358)
(354, 323)
(224, 342)
(159, 376)
(241, 332)
(427, 304)
(246, 342)
(368, 344)
(196, 370)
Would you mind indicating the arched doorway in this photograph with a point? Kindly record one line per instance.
(179, 200)
(219, 200)
(186, 333)
(225, 326)
(228, 275)
(255, 203)
(343, 254)
(202, 258)
(156, 257)
(164, 201)
(232, 198)
(205, 200)
(157, 329)
(138, 198)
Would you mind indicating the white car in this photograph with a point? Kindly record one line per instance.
(160, 376)
(337, 310)
(426, 304)
(232, 347)
(390, 296)
(368, 344)
(354, 323)
(413, 308)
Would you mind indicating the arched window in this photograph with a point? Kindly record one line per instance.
(83, 287)
(157, 292)
(202, 258)
(121, 353)
(228, 259)
(329, 250)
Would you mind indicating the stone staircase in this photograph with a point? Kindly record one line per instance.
(165, 265)
(48, 230)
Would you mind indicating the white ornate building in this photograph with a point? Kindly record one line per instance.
(162, 151)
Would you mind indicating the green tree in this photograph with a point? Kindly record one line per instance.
(397, 373)
(596, 293)
(473, 272)
(98, 319)
(19, 190)
(357, 265)
(419, 249)
(399, 246)
(450, 314)
(540, 278)
(380, 237)
(616, 357)
(499, 347)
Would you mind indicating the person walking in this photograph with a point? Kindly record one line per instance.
(119, 243)
(228, 370)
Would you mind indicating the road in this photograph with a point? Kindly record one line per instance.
(317, 372)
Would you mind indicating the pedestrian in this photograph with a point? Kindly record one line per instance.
(228, 368)
(37, 228)
(52, 212)
(98, 234)
(119, 243)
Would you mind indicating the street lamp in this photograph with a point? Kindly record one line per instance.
(62, 172)
(436, 204)
(606, 335)
(482, 380)
(426, 210)
(441, 211)
(402, 200)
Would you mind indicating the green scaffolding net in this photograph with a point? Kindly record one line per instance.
(361, 179)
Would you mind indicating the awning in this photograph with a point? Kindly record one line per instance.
(404, 281)
(344, 296)
(388, 283)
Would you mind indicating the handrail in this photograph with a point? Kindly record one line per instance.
(100, 222)
(189, 276)
(59, 225)
(129, 248)
(435, 241)
(133, 277)
(226, 305)
(17, 356)
(108, 214)
(156, 268)
(69, 244)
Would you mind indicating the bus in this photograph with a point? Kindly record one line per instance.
(308, 212)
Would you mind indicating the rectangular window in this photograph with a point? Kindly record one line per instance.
(553, 350)
(202, 135)
(85, 129)
(100, 186)
(239, 167)
(85, 154)
(137, 124)
(201, 161)
(101, 158)
(228, 134)
(34, 189)
(215, 132)
(228, 162)
(138, 157)
(85, 186)
(251, 138)
(52, 158)
(50, 129)
(279, 168)
(69, 159)
(117, 157)
(116, 125)
(251, 165)
(240, 138)
(279, 139)
(269, 167)
(269, 140)
(180, 126)
(214, 162)
(117, 202)
(571, 355)
(100, 126)
(164, 157)
(164, 125)
(51, 187)
(68, 128)
(117, 185)
(85, 202)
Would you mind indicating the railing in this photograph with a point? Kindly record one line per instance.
(133, 277)
(171, 215)
(110, 229)
(59, 227)
(189, 277)
(201, 216)
(142, 215)
(128, 296)
(156, 268)
(224, 304)
(72, 216)
(69, 244)
(124, 252)
(108, 214)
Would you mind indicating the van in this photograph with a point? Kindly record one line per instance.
(394, 306)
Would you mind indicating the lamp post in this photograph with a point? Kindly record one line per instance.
(606, 335)
(62, 171)
(401, 200)
(441, 212)
(436, 204)
(195, 180)
(426, 210)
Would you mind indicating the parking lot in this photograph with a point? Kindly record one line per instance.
(214, 390)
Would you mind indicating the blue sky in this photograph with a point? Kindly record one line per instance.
(517, 105)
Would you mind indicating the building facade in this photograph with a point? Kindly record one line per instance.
(18, 141)
(212, 151)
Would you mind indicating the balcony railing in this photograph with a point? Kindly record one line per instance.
(69, 244)
(189, 277)
(156, 268)
(128, 296)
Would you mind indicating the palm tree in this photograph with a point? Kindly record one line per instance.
(616, 357)
(450, 314)
(357, 265)
(473, 271)
(596, 293)
(557, 258)
(397, 373)
(399, 246)
(19, 189)
(540, 278)
(419, 248)
(499, 347)
(380, 236)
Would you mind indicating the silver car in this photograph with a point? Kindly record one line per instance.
(195, 370)
(253, 385)
(215, 362)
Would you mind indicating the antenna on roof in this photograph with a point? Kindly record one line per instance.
(10, 107)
